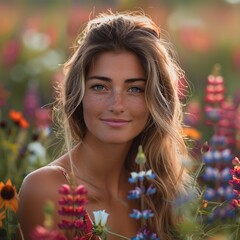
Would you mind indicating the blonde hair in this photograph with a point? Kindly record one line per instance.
(162, 139)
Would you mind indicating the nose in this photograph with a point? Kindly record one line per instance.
(116, 102)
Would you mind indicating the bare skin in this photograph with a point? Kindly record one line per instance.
(115, 112)
(42, 185)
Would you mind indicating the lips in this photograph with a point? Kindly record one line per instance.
(115, 122)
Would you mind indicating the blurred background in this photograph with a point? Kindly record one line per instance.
(36, 38)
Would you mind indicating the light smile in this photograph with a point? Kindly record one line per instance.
(115, 122)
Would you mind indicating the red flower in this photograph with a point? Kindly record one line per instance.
(72, 207)
(235, 182)
(235, 172)
(43, 233)
(235, 203)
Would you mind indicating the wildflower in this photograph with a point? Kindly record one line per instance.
(8, 196)
(17, 117)
(138, 193)
(235, 203)
(149, 174)
(205, 148)
(72, 204)
(141, 158)
(145, 234)
(135, 194)
(133, 178)
(23, 123)
(147, 213)
(235, 182)
(204, 203)
(236, 161)
(151, 190)
(43, 233)
(100, 220)
(236, 171)
(38, 152)
(136, 214)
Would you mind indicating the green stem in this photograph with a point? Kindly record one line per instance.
(20, 231)
(7, 227)
(117, 235)
(237, 232)
(141, 198)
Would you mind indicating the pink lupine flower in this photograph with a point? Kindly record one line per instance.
(236, 171)
(235, 182)
(72, 208)
(236, 161)
(235, 203)
(43, 233)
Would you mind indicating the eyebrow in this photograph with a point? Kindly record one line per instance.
(106, 79)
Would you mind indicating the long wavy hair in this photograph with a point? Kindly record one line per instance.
(162, 138)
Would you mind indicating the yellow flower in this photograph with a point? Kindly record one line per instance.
(8, 196)
(2, 216)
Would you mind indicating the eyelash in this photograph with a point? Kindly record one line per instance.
(95, 87)
(139, 90)
(103, 88)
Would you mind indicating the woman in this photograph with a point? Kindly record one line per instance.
(120, 91)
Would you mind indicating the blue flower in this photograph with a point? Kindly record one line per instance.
(136, 214)
(135, 194)
(147, 213)
(151, 190)
(133, 178)
(149, 174)
(145, 234)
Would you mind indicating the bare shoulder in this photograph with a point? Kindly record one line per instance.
(37, 188)
(42, 180)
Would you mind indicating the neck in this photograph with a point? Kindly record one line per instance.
(102, 165)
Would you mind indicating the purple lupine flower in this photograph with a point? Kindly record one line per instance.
(150, 175)
(136, 214)
(135, 194)
(151, 190)
(133, 178)
(147, 213)
(209, 194)
(211, 174)
(145, 234)
(138, 193)
(227, 155)
(225, 174)
(208, 157)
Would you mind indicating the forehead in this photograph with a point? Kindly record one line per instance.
(117, 63)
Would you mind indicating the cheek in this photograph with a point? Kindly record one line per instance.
(140, 110)
(92, 105)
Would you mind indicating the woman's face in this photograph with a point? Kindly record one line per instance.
(114, 106)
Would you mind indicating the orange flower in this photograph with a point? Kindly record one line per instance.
(15, 115)
(8, 196)
(23, 123)
(2, 216)
(192, 133)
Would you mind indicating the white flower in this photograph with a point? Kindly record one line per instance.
(100, 217)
